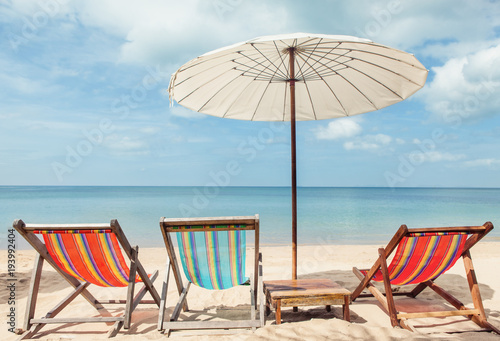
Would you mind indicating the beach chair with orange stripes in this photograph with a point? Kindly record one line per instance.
(422, 255)
(212, 253)
(85, 254)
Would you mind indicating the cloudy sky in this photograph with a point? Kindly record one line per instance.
(83, 97)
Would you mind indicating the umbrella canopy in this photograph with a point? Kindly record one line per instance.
(297, 77)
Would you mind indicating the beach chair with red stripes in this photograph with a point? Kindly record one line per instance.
(212, 253)
(422, 255)
(85, 254)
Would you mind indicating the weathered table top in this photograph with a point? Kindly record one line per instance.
(305, 289)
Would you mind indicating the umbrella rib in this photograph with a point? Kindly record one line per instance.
(305, 83)
(331, 90)
(378, 54)
(202, 85)
(285, 84)
(266, 58)
(310, 100)
(260, 100)
(200, 60)
(309, 54)
(301, 49)
(376, 81)
(257, 73)
(316, 61)
(282, 60)
(203, 70)
(361, 92)
(373, 64)
(217, 92)
(363, 73)
(277, 67)
(387, 56)
(207, 82)
(235, 100)
(340, 75)
(329, 60)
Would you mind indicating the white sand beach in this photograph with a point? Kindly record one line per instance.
(368, 321)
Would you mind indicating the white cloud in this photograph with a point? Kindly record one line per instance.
(466, 87)
(483, 163)
(369, 142)
(414, 23)
(339, 129)
(175, 31)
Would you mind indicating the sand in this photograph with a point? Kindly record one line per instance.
(368, 321)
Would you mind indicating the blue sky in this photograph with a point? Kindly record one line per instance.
(83, 96)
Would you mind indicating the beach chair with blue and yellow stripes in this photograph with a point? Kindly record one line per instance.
(85, 254)
(422, 255)
(212, 253)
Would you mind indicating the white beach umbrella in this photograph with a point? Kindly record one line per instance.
(297, 77)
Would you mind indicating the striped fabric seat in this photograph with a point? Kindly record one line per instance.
(89, 255)
(423, 256)
(213, 259)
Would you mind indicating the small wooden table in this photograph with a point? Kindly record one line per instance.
(305, 292)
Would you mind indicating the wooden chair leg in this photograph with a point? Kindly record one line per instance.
(33, 292)
(374, 291)
(492, 327)
(417, 290)
(260, 290)
(147, 281)
(35, 327)
(177, 310)
(142, 292)
(131, 286)
(474, 288)
(388, 290)
(32, 331)
(180, 304)
(252, 302)
(116, 328)
(163, 298)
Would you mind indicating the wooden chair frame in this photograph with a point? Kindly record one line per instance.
(169, 226)
(387, 299)
(32, 325)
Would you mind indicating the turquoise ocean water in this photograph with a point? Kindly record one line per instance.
(325, 215)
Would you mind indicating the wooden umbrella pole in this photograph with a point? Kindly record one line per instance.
(294, 163)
